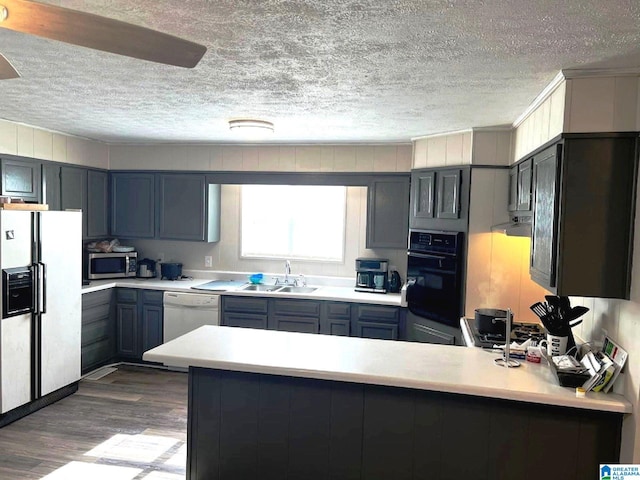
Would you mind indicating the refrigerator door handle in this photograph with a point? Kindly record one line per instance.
(42, 289)
(34, 287)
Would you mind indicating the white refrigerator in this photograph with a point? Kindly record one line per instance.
(40, 349)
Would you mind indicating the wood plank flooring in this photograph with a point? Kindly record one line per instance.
(130, 424)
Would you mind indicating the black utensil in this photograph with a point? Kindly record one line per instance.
(553, 302)
(541, 310)
(576, 312)
(564, 306)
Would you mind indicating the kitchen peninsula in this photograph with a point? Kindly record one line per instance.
(268, 404)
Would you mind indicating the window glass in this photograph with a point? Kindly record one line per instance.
(293, 221)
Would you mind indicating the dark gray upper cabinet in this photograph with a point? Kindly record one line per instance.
(525, 175)
(583, 214)
(544, 230)
(97, 204)
(132, 205)
(188, 208)
(51, 185)
(423, 194)
(21, 179)
(388, 213)
(86, 190)
(179, 206)
(448, 193)
(440, 198)
(520, 177)
(73, 194)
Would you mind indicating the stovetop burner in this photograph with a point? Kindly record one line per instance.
(519, 333)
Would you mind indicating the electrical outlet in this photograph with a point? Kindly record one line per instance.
(208, 261)
(161, 257)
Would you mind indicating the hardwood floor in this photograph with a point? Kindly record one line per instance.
(130, 424)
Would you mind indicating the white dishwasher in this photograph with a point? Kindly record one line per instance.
(184, 312)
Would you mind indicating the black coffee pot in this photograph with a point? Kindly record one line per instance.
(395, 282)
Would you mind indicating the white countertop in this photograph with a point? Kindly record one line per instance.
(421, 366)
(340, 294)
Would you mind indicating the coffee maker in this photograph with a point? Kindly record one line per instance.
(372, 275)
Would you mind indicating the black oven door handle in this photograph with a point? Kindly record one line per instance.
(427, 255)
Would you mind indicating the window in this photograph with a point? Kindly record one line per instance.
(293, 221)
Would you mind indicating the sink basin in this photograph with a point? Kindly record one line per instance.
(261, 288)
(298, 289)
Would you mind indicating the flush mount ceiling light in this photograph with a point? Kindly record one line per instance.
(250, 126)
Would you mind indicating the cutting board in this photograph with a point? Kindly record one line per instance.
(219, 285)
(24, 206)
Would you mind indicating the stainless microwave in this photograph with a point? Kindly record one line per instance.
(112, 265)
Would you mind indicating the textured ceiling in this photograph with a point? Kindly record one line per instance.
(321, 70)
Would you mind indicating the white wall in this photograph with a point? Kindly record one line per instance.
(544, 121)
(26, 141)
(263, 158)
(497, 264)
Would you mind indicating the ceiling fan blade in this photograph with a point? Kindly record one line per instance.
(6, 69)
(100, 33)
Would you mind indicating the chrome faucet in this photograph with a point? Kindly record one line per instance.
(300, 281)
(287, 272)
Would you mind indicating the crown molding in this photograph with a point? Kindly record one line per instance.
(442, 134)
(539, 100)
(571, 73)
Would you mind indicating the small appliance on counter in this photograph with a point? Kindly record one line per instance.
(171, 271)
(111, 265)
(519, 333)
(146, 268)
(371, 275)
(395, 282)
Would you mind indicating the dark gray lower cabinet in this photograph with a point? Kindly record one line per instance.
(313, 316)
(336, 318)
(420, 329)
(247, 425)
(294, 315)
(245, 312)
(377, 321)
(98, 329)
(139, 316)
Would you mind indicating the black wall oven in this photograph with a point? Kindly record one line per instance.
(435, 285)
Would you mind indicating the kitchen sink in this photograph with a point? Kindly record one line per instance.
(261, 288)
(277, 288)
(297, 289)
